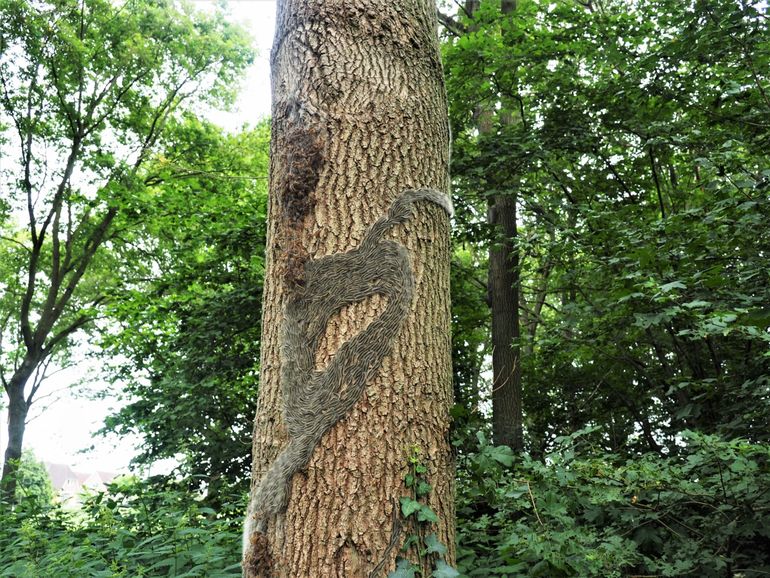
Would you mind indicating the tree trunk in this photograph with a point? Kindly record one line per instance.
(503, 287)
(504, 302)
(17, 419)
(359, 115)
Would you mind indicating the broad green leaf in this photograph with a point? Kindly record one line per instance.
(404, 569)
(425, 514)
(444, 570)
(667, 287)
(409, 506)
(434, 546)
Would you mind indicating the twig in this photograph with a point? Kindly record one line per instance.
(532, 501)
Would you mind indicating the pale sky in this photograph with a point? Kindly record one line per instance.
(61, 425)
(258, 17)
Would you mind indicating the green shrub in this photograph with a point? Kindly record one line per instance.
(136, 529)
(705, 513)
(578, 513)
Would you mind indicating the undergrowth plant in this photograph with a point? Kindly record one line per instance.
(579, 512)
(419, 517)
(134, 530)
(584, 513)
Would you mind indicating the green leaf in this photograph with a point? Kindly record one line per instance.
(444, 570)
(409, 506)
(423, 489)
(425, 514)
(404, 569)
(540, 568)
(667, 287)
(502, 454)
(434, 546)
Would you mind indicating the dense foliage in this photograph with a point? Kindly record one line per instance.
(34, 489)
(583, 512)
(642, 177)
(638, 161)
(185, 331)
(137, 529)
(88, 90)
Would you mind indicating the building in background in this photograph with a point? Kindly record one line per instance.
(69, 484)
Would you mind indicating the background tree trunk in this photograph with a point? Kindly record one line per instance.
(503, 283)
(359, 115)
(18, 408)
(504, 303)
(505, 293)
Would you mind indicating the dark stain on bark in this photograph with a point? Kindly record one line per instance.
(258, 561)
(299, 152)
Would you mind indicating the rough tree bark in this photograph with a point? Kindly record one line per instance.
(504, 288)
(359, 115)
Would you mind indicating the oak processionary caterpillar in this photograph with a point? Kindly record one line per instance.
(313, 401)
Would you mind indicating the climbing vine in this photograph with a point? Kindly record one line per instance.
(419, 517)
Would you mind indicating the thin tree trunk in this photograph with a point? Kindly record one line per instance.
(359, 115)
(504, 303)
(17, 419)
(507, 413)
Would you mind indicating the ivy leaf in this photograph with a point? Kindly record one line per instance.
(409, 506)
(444, 570)
(426, 515)
(423, 489)
(434, 545)
(404, 569)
